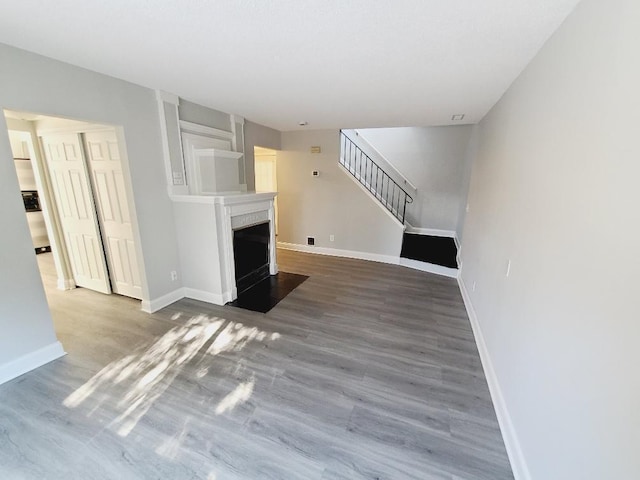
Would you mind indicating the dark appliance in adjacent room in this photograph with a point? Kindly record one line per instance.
(31, 200)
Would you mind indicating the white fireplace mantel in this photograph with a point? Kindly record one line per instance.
(205, 225)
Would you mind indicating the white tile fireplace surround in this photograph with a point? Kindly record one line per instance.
(205, 239)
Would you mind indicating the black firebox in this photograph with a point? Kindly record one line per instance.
(251, 255)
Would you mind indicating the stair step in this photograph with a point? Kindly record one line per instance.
(430, 249)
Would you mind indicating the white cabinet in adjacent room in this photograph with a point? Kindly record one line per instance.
(30, 194)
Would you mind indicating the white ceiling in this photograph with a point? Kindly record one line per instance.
(332, 63)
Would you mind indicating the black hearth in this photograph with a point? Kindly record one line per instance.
(251, 255)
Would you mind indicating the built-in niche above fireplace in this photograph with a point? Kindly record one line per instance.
(210, 230)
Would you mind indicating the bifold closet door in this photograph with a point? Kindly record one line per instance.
(105, 167)
(74, 200)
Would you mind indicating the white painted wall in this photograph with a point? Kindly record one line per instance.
(330, 204)
(265, 172)
(38, 84)
(555, 190)
(434, 160)
(261, 136)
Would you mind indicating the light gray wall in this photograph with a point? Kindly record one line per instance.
(470, 155)
(37, 84)
(330, 204)
(555, 189)
(194, 113)
(261, 136)
(434, 160)
(25, 322)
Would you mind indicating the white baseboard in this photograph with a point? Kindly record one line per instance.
(511, 442)
(434, 232)
(150, 306)
(208, 297)
(430, 267)
(335, 252)
(30, 361)
(180, 293)
(66, 283)
(374, 257)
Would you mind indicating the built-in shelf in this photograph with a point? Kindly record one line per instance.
(212, 170)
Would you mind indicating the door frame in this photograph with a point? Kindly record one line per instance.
(52, 221)
(258, 153)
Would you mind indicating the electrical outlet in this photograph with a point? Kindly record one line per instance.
(174, 275)
(311, 241)
(332, 238)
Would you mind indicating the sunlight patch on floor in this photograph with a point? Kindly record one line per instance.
(170, 447)
(132, 384)
(239, 395)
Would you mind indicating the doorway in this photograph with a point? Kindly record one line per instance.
(266, 174)
(84, 201)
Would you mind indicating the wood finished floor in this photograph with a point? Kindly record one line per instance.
(365, 371)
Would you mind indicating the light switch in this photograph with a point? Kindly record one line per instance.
(178, 178)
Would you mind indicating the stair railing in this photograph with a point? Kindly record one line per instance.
(371, 176)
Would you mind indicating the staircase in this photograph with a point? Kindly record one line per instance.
(432, 253)
(374, 178)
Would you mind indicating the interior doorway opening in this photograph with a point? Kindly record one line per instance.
(266, 174)
(73, 177)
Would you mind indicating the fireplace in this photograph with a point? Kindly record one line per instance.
(251, 255)
(226, 243)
